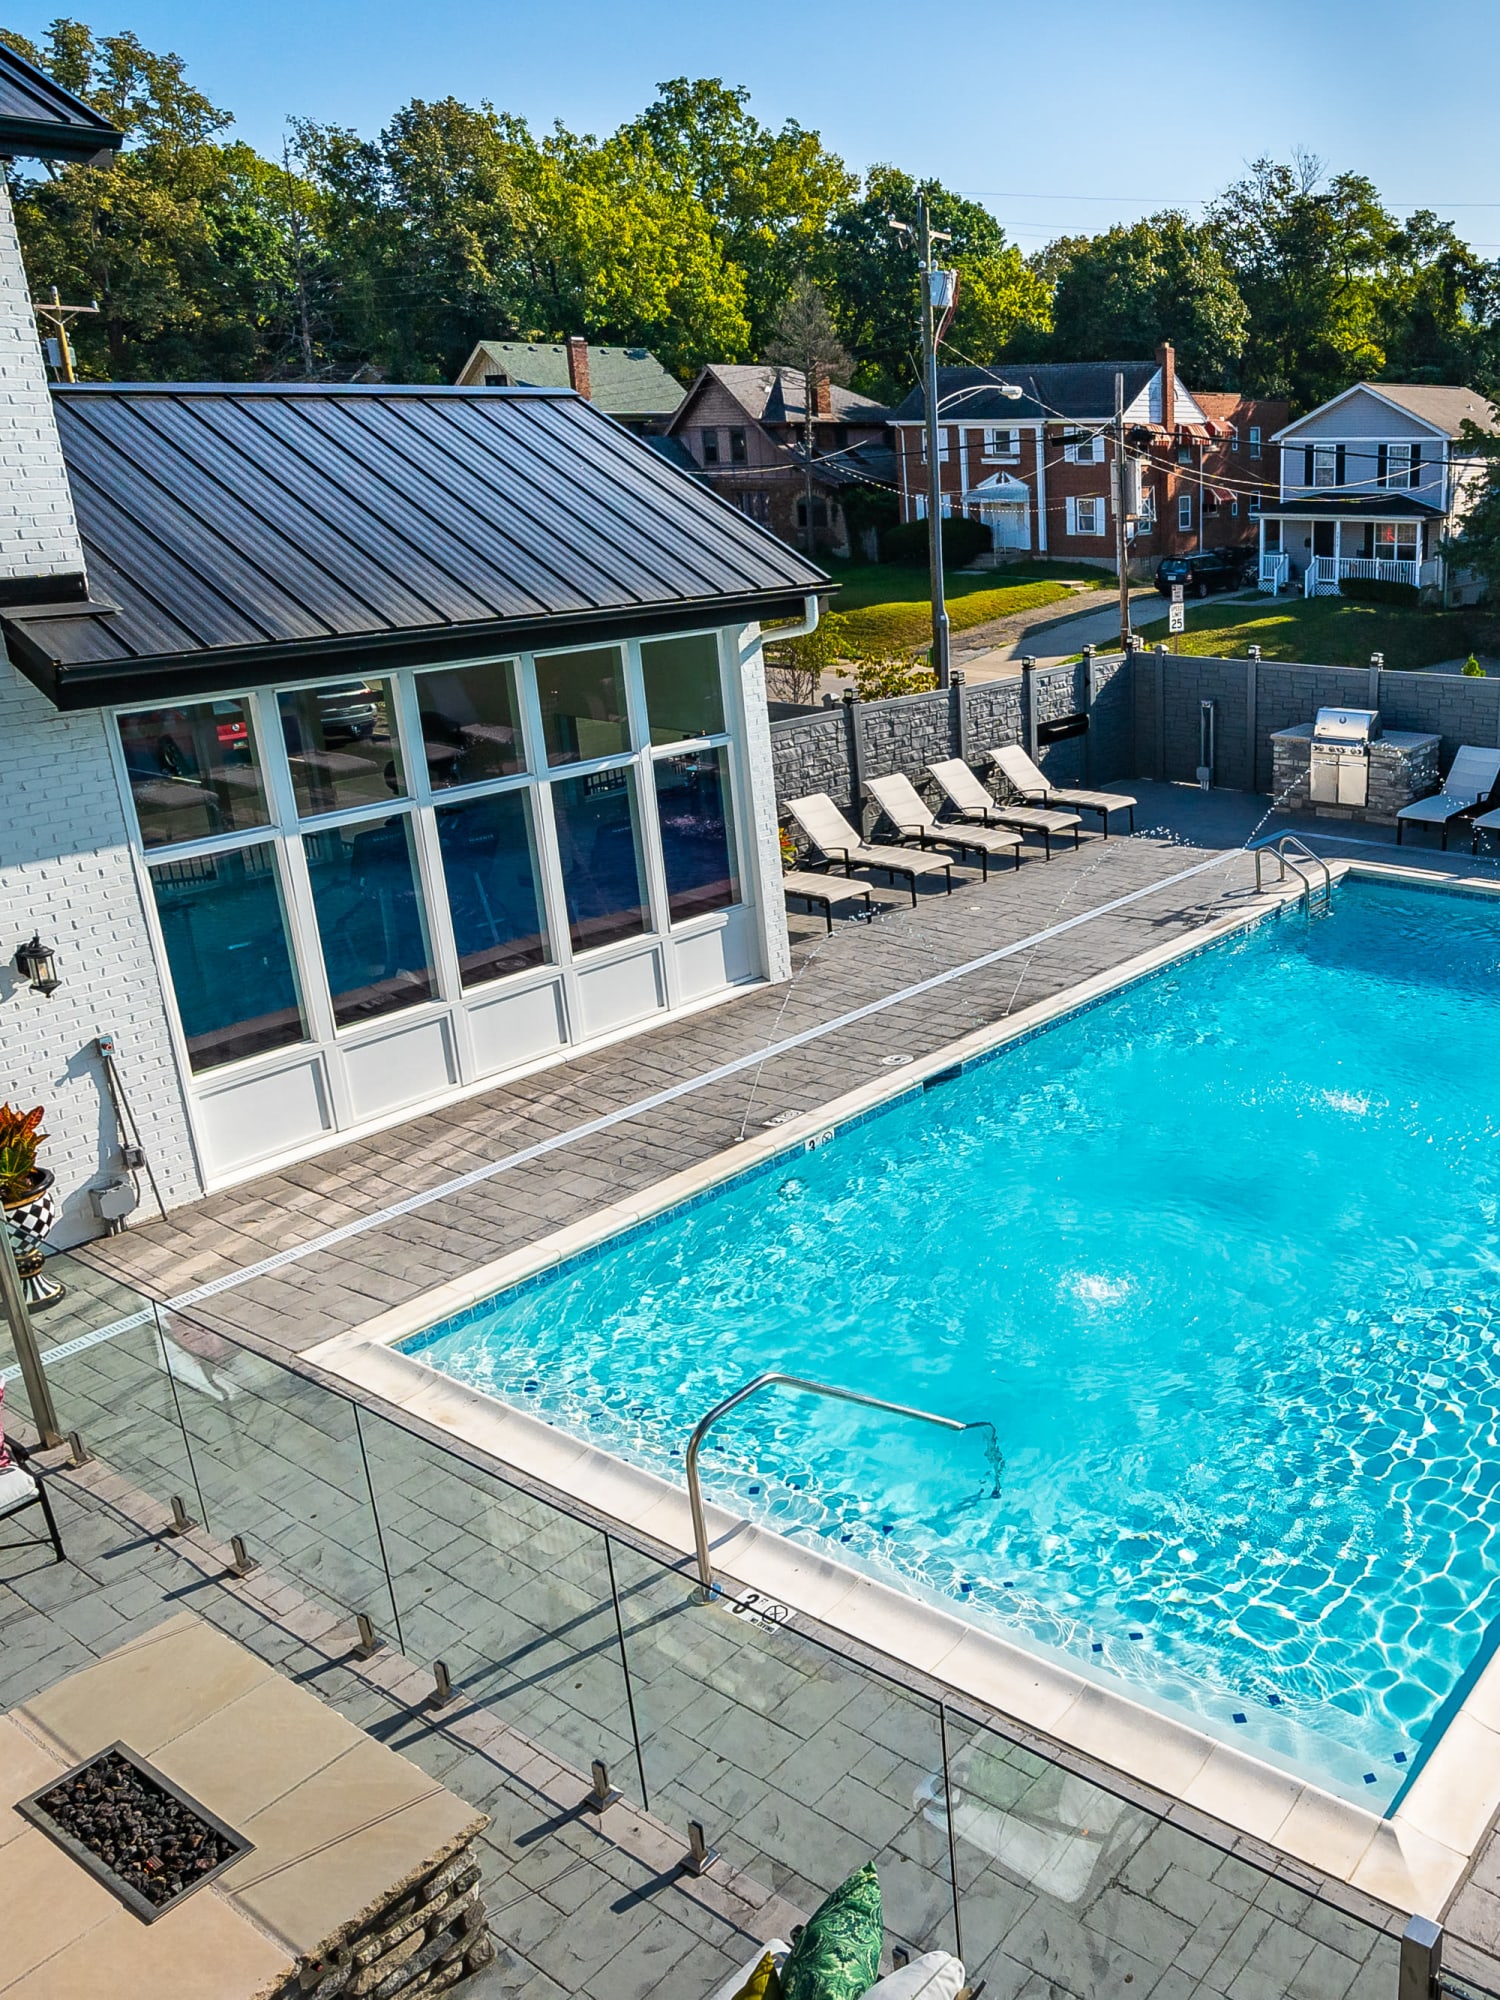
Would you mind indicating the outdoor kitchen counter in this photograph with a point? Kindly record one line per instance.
(342, 1827)
(1403, 767)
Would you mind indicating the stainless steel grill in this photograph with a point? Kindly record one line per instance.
(1340, 766)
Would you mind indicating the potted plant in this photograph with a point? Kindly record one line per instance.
(788, 851)
(27, 1199)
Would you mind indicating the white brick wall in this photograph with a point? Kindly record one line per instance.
(65, 870)
(38, 531)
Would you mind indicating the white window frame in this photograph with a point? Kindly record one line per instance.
(1398, 471)
(1255, 502)
(325, 1041)
(1085, 450)
(1184, 513)
(1234, 437)
(1325, 461)
(1255, 440)
(1094, 502)
(1002, 444)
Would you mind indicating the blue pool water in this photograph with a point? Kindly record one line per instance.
(1219, 1257)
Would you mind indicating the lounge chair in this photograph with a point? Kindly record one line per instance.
(1472, 784)
(1030, 782)
(971, 801)
(912, 817)
(841, 845)
(824, 891)
(20, 1489)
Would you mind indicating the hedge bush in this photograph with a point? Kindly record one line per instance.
(963, 539)
(1373, 590)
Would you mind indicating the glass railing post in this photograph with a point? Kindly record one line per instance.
(22, 1333)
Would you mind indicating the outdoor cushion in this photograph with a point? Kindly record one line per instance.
(764, 1983)
(17, 1489)
(936, 1975)
(776, 1951)
(837, 1956)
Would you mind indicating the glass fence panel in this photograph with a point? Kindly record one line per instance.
(511, 1594)
(800, 1764)
(278, 1461)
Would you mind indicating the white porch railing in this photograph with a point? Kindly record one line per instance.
(1274, 568)
(1323, 574)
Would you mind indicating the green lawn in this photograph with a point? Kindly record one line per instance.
(884, 608)
(1329, 631)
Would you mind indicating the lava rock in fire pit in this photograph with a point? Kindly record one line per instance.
(154, 1842)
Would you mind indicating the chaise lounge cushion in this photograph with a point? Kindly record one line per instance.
(764, 1982)
(936, 1975)
(837, 1956)
(17, 1489)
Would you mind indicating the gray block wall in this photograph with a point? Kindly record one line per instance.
(1254, 699)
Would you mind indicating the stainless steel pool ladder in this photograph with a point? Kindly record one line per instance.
(1290, 852)
(776, 1380)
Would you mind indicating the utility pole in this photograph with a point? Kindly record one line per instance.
(936, 297)
(57, 314)
(1121, 487)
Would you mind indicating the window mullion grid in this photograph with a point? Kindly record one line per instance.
(551, 889)
(657, 899)
(431, 882)
(302, 925)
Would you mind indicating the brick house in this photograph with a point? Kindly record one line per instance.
(744, 428)
(1037, 469)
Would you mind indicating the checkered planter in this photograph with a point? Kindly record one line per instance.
(29, 1214)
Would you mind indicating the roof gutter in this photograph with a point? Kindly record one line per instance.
(811, 612)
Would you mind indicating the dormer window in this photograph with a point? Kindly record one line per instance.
(1325, 465)
(500, 381)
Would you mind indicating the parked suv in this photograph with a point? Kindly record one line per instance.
(1214, 569)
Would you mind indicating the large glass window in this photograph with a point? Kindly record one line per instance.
(489, 862)
(369, 911)
(692, 805)
(194, 771)
(583, 704)
(599, 843)
(341, 745)
(684, 697)
(224, 924)
(470, 725)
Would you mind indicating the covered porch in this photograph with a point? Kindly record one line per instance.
(1324, 545)
(1003, 503)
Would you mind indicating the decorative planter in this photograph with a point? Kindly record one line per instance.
(31, 1210)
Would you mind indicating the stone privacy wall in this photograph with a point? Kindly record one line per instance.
(837, 749)
(426, 1940)
(1253, 699)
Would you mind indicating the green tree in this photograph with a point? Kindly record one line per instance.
(807, 340)
(1117, 295)
(769, 195)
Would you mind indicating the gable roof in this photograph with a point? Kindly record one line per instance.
(1080, 390)
(39, 120)
(779, 395)
(240, 533)
(1444, 407)
(623, 381)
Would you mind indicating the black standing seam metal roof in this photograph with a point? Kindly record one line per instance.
(236, 534)
(39, 120)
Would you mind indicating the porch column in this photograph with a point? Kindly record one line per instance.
(1338, 555)
(1039, 441)
(1260, 555)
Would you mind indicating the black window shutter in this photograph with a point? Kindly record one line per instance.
(1338, 466)
(1416, 462)
(1307, 469)
(1382, 470)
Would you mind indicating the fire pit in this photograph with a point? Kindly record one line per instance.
(145, 1840)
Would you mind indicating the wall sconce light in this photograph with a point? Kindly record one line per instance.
(37, 963)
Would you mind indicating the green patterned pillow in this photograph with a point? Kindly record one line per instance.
(837, 1956)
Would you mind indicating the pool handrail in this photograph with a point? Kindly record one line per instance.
(1294, 860)
(775, 1379)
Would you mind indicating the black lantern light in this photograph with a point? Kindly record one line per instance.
(37, 963)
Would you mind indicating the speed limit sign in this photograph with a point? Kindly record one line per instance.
(1177, 616)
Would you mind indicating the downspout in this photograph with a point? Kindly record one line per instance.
(811, 611)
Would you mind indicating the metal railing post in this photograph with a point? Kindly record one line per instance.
(23, 1334)
(1421, 1960)
(777, 1380)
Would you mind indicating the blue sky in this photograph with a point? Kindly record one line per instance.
(1065, 117)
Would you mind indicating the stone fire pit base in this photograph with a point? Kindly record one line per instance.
(362, 1879)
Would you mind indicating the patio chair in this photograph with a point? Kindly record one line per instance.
(20, 1489)
(1472, 784)
(971, 801)
(1030, 782)
(839, 843)
(906, 809)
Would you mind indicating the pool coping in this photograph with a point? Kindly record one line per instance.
(1414, 1859)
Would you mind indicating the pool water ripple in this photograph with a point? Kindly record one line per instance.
(1218, 1259)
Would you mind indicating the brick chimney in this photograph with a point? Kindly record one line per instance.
(578, 363)
(822, 393)
(1167, 361)
(41, 551)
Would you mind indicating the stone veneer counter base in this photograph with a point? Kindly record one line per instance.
(362, 1879)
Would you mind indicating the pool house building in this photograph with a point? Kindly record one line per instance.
(359, 746)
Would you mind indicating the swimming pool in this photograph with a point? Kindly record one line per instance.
(1217, 1256)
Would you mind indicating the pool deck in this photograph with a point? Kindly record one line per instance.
(606, 1126)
